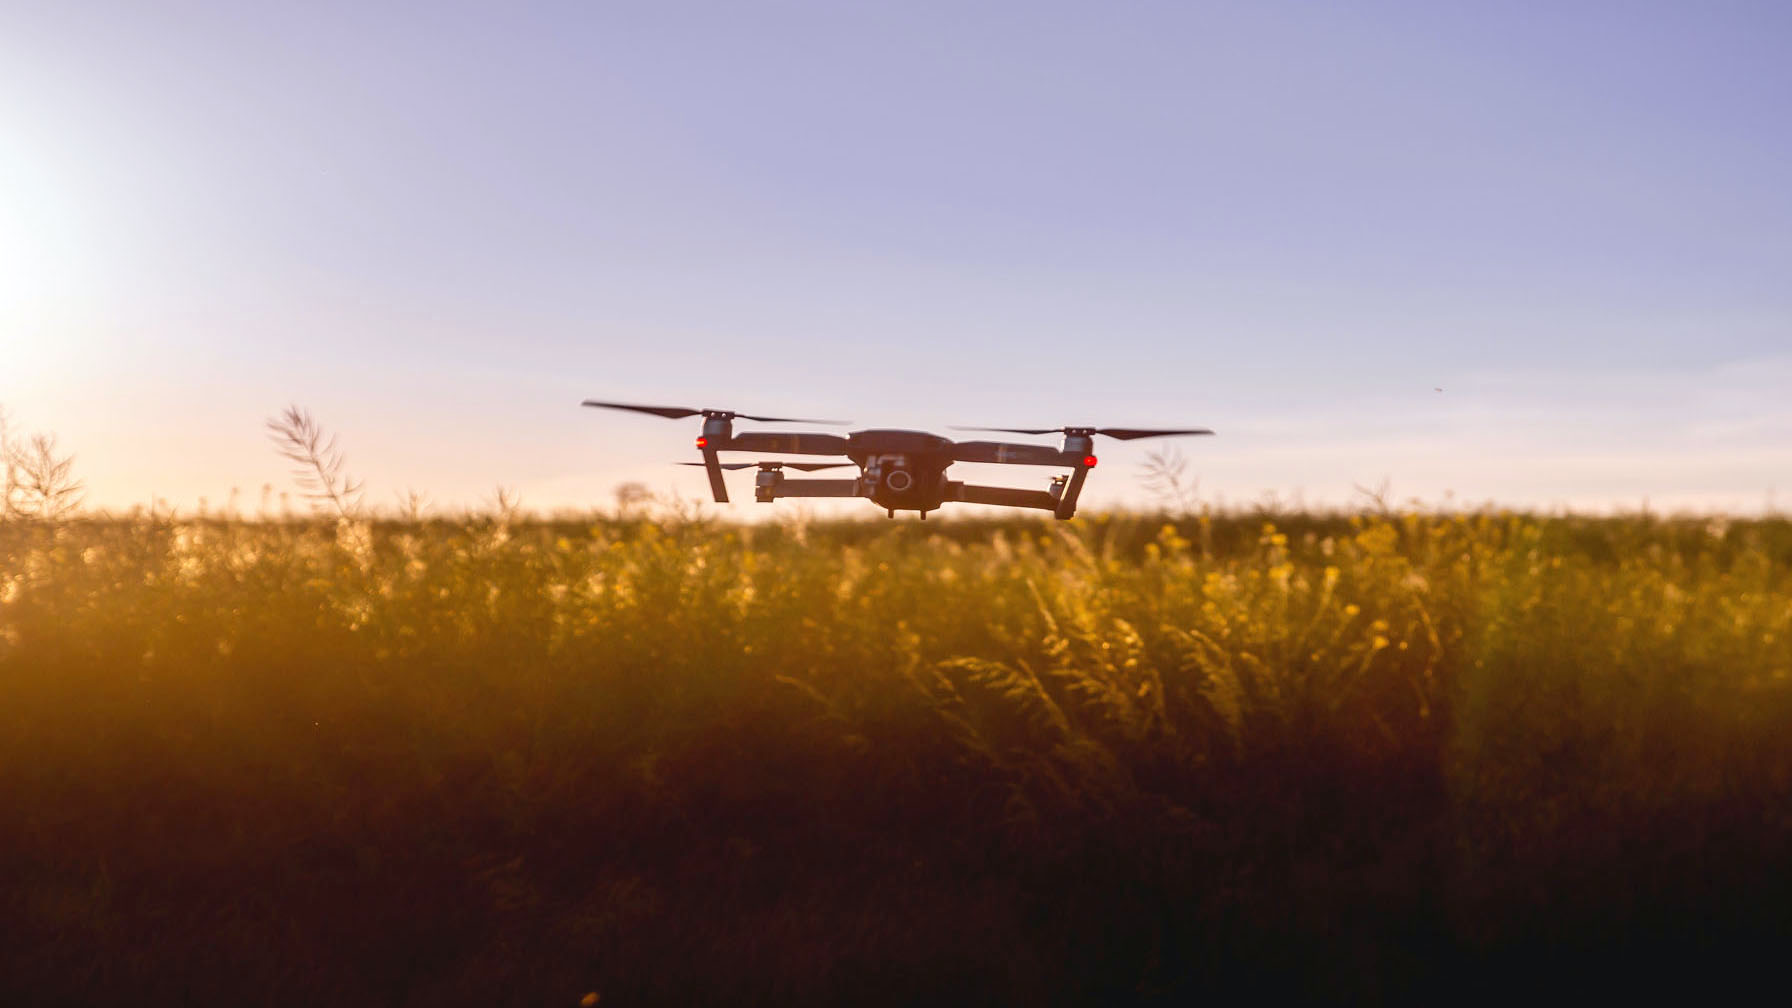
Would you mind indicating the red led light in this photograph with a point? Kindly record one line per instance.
(1088, 461)
(703, 442)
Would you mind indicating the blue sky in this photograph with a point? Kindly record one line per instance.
(441, 225)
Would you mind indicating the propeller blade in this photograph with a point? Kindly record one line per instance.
(800, 444)
(774, 419)
(1134, 433)
(1015, 454)
(804, 466)
(1117, 433)
(669, 412)
(680, 412)
(1012, 430)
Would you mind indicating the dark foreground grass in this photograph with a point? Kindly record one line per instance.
(1124, 761)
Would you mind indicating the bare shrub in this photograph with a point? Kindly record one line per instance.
(36, 479)
(632, 498)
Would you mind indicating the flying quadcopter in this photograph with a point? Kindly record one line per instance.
(899, 470)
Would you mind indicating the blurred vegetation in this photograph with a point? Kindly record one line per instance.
(1123, 759)
(37, 479)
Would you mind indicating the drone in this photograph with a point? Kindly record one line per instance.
(899, 470)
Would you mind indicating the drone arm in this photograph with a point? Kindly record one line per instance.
(1008, 454)
(799, 444)
(1002, 496)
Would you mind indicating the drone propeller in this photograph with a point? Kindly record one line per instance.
(680, 412)
(1118, 433)
(804, 466)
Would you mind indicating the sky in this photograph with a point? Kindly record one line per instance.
(1529, 254)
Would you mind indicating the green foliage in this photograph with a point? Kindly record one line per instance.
(1118, 758)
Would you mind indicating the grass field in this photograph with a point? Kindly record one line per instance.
(1119, 760)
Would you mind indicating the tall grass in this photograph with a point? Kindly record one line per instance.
(1121, 759)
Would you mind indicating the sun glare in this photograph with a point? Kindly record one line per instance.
(45, 274)
(40, 241)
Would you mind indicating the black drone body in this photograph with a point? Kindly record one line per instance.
(899, 470)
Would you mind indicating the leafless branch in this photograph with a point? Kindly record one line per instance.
(504, 504)
(1376, 497)
(1166, 479)
(35, 480)
(413, 505)
(40, 482)
(317, 462)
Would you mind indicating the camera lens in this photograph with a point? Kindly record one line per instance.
(898, 480)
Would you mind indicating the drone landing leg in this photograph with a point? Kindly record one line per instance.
(716, 486)
(718, 429)
(1066, 505)
(1079, 444)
